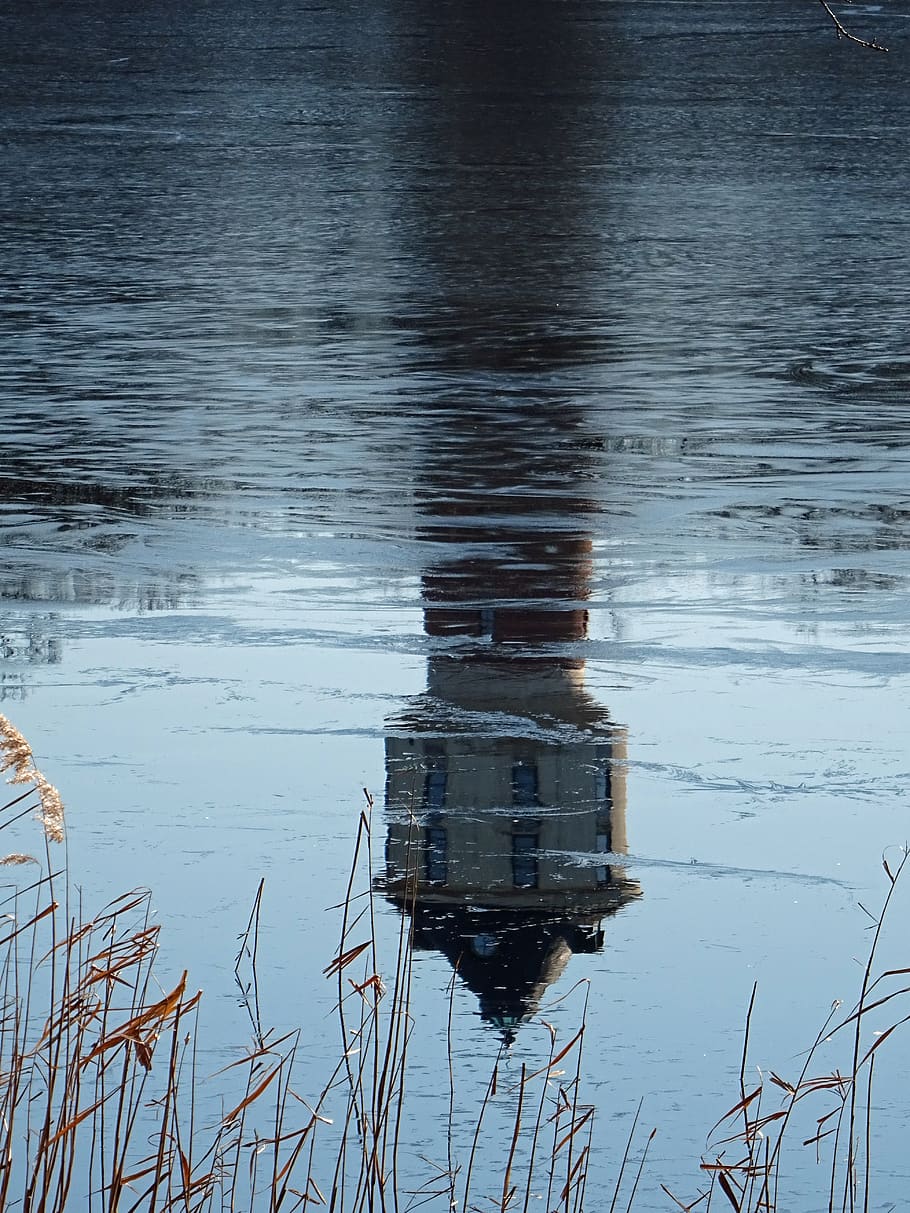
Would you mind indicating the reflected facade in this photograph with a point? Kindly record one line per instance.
(506, 779)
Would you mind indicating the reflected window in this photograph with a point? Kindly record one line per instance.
(484, 946)
(603, 789)
(524, 860)
(434, 791)
(391, 869)
(436, 854)
(604, 846)
(524, 785)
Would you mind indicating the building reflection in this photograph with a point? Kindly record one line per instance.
(506, 786)
(67, 544)
(30, 636)
(505, 779)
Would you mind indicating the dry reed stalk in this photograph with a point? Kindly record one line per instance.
(843, 1132)
(374, 1051)
(88, 1116)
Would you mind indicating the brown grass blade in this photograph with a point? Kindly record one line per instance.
(782, 1083)
(344, 959)
(311, 1184)
(554, 1061)
(33, 922)
(579, 1124)
(371, 983)
(813, 1141)
(144, 1050)
(252, 1097)
(74, 1123)
(738, 1107)
(728, 1189)
(686, 1208)
(125, 1180)
(881, 1040)
(567, 1187)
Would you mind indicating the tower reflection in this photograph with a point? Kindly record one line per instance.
(505, 779)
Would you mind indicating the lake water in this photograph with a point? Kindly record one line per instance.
(504, 409)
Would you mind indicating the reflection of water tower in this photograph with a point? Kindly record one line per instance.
(506, 780)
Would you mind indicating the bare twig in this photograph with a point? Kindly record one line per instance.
(842, 32)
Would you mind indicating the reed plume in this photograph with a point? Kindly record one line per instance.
(16, 757)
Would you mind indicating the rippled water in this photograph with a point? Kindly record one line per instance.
(503, 407)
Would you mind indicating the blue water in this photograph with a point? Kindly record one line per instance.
(505, 411)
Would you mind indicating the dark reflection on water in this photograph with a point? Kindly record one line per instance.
(495, 280)
(71, 543)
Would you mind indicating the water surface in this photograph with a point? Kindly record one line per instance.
(504, 410)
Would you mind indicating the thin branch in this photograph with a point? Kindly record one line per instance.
(842, 32)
